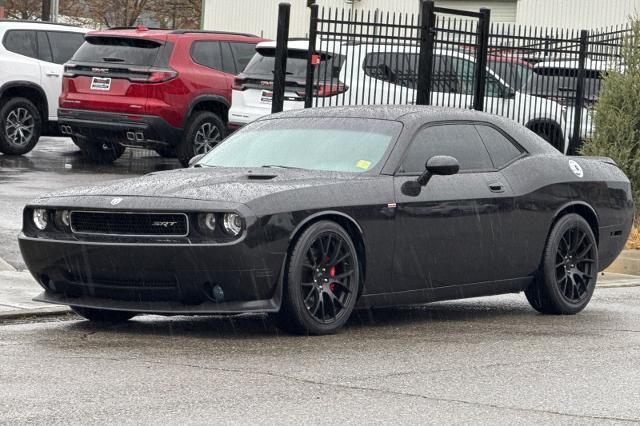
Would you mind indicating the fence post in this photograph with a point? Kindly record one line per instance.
(425, 60)
(481, 58)
(280, 71)
(313, 36)
(574, 142)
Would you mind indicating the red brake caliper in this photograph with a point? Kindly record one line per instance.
(332, 274)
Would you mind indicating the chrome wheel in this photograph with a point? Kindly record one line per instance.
(328, 278)
(207, 137)
(19, 127)
(574, 268)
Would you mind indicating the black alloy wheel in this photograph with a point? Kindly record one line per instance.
(575, 258)
(569, 270)
(21, 126)
(322, 282)
(204, 132)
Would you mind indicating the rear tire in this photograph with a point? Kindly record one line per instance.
(20, 126)
(100, 152)
(569, 269)
(322, 281)
(204, 132)
(551, 133)
(103, 315)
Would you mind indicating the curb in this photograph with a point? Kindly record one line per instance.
(627, 263)
(34, 313)
(5, 267)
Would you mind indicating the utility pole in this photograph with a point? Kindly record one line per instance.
(2, 11)
(46, 10)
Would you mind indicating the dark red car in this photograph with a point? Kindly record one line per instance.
(168, 90)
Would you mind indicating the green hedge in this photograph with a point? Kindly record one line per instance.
(617, 113)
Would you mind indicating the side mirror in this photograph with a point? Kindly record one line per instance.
(439, 165)
(195, 159)
(442, 165)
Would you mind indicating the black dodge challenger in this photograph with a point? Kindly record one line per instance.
(311, 214)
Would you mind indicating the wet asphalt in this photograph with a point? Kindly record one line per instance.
(490, 360)
(485, 360)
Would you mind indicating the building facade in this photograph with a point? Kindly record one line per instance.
(260, 16)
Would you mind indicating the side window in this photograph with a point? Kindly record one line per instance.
(443, 79)
(243, 52)
(207, 53)
(461, 141)
(228, 64)
(44, 48)
(64, 45)
(393, 67)
(465, 74)
(501, 149)
(493, 88)
(22, 42)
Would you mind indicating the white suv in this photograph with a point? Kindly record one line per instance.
(32, 55)
(365, 74)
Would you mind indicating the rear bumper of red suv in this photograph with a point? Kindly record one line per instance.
(145, 131)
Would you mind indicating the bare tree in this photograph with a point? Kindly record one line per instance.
(23, 9)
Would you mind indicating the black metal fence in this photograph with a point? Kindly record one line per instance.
(545, 79)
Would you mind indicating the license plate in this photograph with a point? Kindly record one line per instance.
(101, 83)
(267, 97)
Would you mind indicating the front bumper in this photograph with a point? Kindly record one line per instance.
(145, 131)
(155, 278)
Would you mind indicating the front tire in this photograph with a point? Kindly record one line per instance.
(21, 126)
(204, 132)
(569, 270)
(103, 315)
(322, 281)
(100, 152)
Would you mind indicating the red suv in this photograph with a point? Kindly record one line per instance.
(161, 89)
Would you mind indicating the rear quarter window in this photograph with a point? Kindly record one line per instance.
(501, 149)
(22, 42)
(64, 45)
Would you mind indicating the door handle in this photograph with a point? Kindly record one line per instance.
(52, 74)
(496, 187)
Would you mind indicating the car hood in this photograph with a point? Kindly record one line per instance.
(212, 184)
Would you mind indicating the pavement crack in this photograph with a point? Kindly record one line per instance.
(361, 388)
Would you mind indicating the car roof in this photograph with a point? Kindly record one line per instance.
(164, 34)
(11, 24)
(424, 114)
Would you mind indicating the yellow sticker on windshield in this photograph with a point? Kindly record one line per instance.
(363, 164)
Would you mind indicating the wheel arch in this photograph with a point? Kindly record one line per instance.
(348, 223)
(585, 211)
(540, 123)
(214, 103)
(28, 90)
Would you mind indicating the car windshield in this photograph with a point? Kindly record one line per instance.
(331, 144)
(514, 74)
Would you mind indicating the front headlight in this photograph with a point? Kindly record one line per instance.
(232, 223)
(40, 219)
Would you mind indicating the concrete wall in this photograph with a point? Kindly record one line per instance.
(260, 16)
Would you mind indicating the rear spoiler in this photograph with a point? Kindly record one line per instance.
(602, 159)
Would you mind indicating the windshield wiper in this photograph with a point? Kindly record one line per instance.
(277, 166)
(113, 60)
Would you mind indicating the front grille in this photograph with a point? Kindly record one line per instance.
(130, 224)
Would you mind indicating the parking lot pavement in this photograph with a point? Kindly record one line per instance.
(56, 163)
(483, 360)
